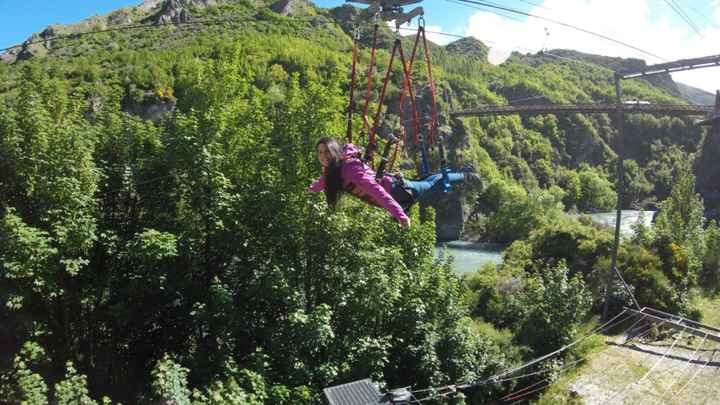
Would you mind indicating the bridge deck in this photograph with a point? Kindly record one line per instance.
(587, 108)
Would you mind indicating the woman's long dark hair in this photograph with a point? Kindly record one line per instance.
(333, 173)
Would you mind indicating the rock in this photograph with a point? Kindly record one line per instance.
(8, 57)
(31, 50)
(292, 7)
(120, 17)
(149, 5)
(178, 11)
(94, 106)
(449, 218)
(151, 107)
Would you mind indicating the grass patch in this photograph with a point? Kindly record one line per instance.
(709, 307)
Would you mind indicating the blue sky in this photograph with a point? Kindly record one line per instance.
(20, 18)
(651, 25)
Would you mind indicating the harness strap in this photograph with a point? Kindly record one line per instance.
(434, 122)
(408, 84)
(372, 143)
(351, 101)
(371, 69)
(402, 141)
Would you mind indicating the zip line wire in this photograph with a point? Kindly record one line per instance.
(503, 376)
(126, 28)
(676, 8)
(575, 27)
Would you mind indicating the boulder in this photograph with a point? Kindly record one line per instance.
(178, 11)
(449, 218)
(292, 7)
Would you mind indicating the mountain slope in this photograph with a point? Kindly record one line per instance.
(695, 95)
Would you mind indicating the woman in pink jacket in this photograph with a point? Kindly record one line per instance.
(343, 171)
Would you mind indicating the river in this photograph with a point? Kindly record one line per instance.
(470, 256)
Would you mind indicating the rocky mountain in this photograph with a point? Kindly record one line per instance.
(155, 11)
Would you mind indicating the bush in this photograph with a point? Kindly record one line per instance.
(558, 304)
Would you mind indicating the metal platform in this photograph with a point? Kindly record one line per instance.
(362, 392)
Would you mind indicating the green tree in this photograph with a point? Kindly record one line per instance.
(597, 192)
(679, 225)
(558, 304)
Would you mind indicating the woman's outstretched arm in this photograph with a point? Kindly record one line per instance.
(317, 185)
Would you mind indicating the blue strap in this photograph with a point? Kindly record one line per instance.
(445, 179)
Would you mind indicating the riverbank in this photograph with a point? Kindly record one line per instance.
(469, 256)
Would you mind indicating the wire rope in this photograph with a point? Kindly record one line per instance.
(642, 379)
(679, 11)
(678, 392)
(668, 388)
(605, 37)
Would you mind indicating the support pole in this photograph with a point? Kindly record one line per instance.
(620, 148)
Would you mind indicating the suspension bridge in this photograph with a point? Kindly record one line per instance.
(658, 109)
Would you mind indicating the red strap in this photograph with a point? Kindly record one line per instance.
(434, 124)
(415, 46)
(368, 89)
(371, 138)
(408, 83)
(351, 102)
(402, 95)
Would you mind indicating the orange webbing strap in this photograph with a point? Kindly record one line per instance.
(404, 90)
(408, 84)
(398, 146)
(372, 143)
(351, 102)
(368, 89)
(434, 124)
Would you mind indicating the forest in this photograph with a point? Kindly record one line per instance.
(158, 243)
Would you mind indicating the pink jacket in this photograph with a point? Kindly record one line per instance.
(360, 179)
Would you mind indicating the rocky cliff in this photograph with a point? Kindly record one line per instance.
(707, 171)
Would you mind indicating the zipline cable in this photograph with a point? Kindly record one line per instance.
(453, 388)
(78, 35)
(606, 325)
(668, 388)
(678, 392)
(622, 391)
(679, 11)
(605, 37)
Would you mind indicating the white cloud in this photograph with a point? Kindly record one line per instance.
(644, 24)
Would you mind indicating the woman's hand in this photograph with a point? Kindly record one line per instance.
(405, 223)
